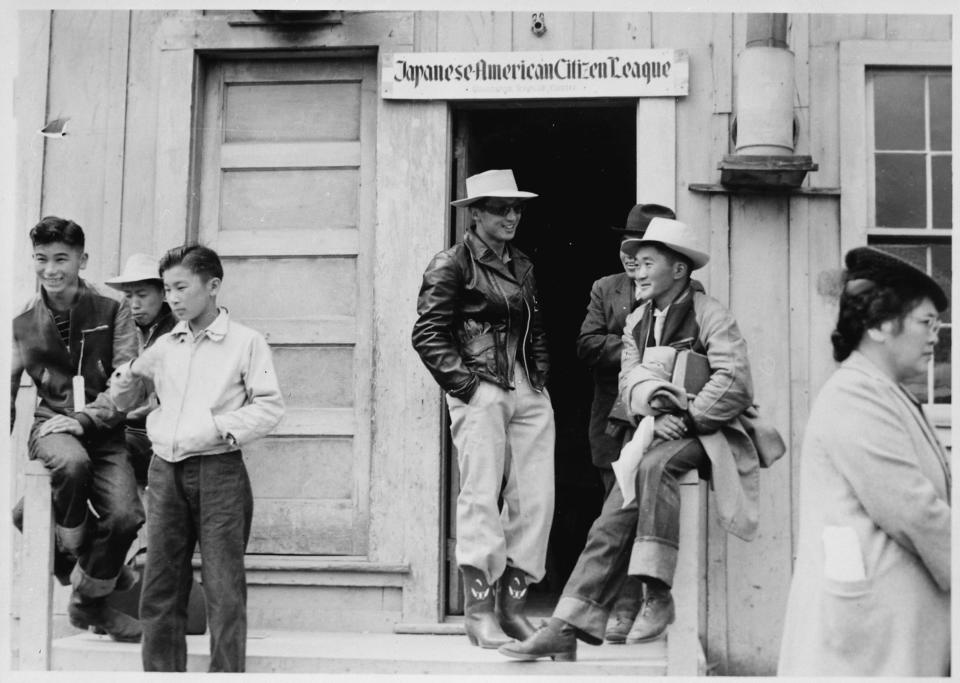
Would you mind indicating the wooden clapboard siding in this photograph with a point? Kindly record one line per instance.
(622, 30)
(286, 172)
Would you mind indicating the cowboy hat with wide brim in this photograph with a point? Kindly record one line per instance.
(639, 218)
(138, 268)
(495, 183)
(674, 235)
(885, 269)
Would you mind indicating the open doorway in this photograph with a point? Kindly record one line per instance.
(581, 159)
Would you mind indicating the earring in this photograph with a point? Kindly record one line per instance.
(875, 334)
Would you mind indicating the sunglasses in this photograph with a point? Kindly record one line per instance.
(502, 210)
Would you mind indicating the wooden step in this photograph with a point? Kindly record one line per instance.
(368, 653)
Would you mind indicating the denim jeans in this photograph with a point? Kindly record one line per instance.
(205, 499)
(96, 470)
(653, 520)
(140, 450)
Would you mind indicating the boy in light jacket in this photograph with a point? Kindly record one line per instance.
(218, 391)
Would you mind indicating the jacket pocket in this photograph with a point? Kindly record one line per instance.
(480, 353)
(198, 432)
(852, 618)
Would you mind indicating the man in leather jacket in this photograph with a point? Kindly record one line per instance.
(479, 334)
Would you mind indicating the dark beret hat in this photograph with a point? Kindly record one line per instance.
(867, 263)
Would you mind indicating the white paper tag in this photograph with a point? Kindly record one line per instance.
(79, 393)
(842, 560)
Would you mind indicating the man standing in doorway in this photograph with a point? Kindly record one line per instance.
(612, 298)
(479, 334)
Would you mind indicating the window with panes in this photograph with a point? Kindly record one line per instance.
(909, 178)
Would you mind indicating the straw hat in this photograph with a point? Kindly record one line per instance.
(674, 235)
(495, 183)
(138, 268)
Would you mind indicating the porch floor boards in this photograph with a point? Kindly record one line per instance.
(369, 654)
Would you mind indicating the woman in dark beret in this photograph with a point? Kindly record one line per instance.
(871, 585)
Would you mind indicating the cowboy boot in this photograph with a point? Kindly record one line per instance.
(511, 598)
(479, 619)
(624, 610)
(556, 639)
(93, 613)
(656, 613)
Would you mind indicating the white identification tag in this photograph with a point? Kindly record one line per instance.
(79, 393)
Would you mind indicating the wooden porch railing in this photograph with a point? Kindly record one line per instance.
(35, 580)
(685, 655)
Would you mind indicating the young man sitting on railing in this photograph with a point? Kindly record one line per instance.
(706, 436)
(68, 340)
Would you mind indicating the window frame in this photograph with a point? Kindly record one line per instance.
(857, 57)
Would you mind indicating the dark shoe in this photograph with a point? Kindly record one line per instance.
(557, 643)
(94, 613)
(618, 626)
(479, 619)
(511, 599)
(656, 613)
(127, 578)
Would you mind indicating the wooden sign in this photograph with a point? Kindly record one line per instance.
(529, 75)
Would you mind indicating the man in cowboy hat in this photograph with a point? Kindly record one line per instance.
(612, 298)
(673, 314)
(142, 287)
(479, 334)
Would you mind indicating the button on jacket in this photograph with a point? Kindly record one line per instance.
(217, 391)
(474, 312)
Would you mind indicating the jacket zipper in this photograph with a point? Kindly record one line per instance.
(183, 399)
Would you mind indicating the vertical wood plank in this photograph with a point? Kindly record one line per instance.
(582, 30)
(114, 152)
(799, 288)
(657, 150)
(139, 155)
(915, 27)
(758, 573)
(876, 28)
(412, 141)
(474, 31)
(683, 638)
(622, 30)
(829, 29)
(425, 31)
(798, 39)
(30, 108)
(722, 49)
(173, 152)
(853, 208)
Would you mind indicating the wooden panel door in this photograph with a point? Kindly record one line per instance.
(286, 174)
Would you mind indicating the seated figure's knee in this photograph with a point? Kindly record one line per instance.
(125, 522)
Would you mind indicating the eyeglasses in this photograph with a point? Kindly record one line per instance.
(933, 325)
(502, 209)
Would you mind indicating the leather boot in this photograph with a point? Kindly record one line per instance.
(656, 613)
(511, 598)
(94, 613)
(479, 619)
(556, 639)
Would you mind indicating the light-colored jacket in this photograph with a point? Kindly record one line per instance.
(217, 391)
(873, 470)
(695, 320)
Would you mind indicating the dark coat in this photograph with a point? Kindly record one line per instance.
(598, 345)
(107, 330)
(474, 311)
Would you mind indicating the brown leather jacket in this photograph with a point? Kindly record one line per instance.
(474, 311)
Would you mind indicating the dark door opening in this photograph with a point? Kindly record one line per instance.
(582, 162)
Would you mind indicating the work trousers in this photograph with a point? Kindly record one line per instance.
(649, 527)
(504, 437)
(94, 469)
(205, 499)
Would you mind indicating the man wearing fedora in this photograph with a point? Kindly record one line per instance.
(641, 538)
(479, 334)
(599, 343)
(142, 287)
